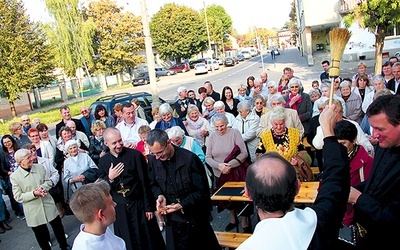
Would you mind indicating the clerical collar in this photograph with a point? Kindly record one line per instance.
(115, 155)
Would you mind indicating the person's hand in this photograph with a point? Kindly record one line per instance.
(372, 140)
(102, 153)
(225, 168)
(172, 208)
(294, 161)
(149, 215)
(328, 119)
(161, 203)
(183, 109)
(204, 132)
(353, 196)
(115, 171)
(39, 191)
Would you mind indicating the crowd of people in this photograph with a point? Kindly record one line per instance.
(159, 177)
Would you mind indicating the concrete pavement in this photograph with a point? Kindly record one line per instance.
(21, 237)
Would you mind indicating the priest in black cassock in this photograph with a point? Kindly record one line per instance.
(127, 172)
(180, 184)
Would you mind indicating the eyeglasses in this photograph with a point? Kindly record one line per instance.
(26, 120)
(84, 111)
(159, 154)
(294, 87)
(258, 103)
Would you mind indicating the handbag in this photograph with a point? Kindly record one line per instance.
(354, 234)
(303, 168)
(91, 175)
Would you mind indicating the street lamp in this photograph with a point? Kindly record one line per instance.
(208, 35)
(258, 42)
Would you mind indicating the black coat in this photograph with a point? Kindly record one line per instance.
(391, 85)
(333, 193)
(378, 207)
(304, 109)
(95, 148)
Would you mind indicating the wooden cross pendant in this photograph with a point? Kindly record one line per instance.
(122, 190)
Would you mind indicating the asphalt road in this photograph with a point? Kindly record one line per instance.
(21, 237)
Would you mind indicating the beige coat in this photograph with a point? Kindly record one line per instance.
(38, 210)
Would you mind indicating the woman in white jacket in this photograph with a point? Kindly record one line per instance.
(247, 123)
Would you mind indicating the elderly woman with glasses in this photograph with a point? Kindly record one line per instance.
(259, 105)
(15, 129)
(97, 148)
(299, 101)
(30, 187)
(226, 154)
(272, 88)
(247, 123)
(167, 120)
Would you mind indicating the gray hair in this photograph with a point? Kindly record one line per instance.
(21, 154)
(157, 135)
(382, 92)
(276, 97)
(219, 117)
(297, 81)
(273, 83)
(180, 89)
(209, 100)
(175, 131)
(259, 97)
(244, 105)
(345, 84)
(192, 107)
(219, 104)
(277, 113)
(378, 78)
(325, 84)
(165, 108)
(313, 92)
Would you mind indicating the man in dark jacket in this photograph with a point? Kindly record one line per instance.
(272, 184)
(180, 184)
(66, 116)
(376, 201)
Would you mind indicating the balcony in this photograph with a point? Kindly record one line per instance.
(347, 6)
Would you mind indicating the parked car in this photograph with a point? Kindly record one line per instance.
(240, 57)
(397, 54)
(246, 54)
(164, 72)
(229, 61)
(142, 78)
(194, 62)
(180, 67)
(212, 64)
(220, 61)
(200, 68)
(145, 99)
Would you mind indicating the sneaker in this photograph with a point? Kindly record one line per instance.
(21, 217)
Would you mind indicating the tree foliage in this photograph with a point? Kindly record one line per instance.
(378, 16)
(25, 55)
(118, 35)
(71, 35)
(219, 23)
(178, 31)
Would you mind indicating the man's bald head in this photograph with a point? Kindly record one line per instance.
(110, 132)
(272, 183)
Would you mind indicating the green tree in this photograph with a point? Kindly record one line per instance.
(117, 36)
(219, 23)
(379, 17)
(292, 24)
(71, 35)
(178, 32)
(25, 55)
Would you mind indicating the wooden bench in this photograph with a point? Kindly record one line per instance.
(231, 240)
(315, 170)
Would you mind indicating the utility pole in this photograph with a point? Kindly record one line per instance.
(149, 54)
(259, 44)
(208, 35)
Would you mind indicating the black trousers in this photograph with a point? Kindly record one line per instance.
(42, 234)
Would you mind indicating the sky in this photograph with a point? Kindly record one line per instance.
(244, 13)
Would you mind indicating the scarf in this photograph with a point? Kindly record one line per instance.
(196, 125)
(297, 103)
(164, 125)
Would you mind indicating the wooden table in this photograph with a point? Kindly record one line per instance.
(307, 194)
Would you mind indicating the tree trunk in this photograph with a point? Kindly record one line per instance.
(13, 110)
(379, 42)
